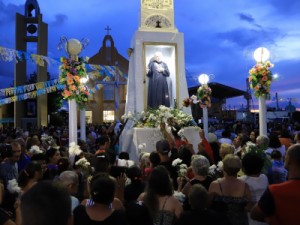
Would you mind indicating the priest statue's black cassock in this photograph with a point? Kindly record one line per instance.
(158, 90)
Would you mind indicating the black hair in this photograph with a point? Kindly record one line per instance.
(101, 140)
(163, 147)
(6, 151)
(103, 189)
(252, 163)
(28, 173)
(276, 155)
(154, 159)
(101, 162)
(38, 157)
(50, 153)
(185, 155)
(134, 173)
(159, 184)
(274, 141)
(124, 155)
(46, 203)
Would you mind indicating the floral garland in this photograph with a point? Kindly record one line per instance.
(203, 97)
(71, 71)
(154, 117)
(260, 79)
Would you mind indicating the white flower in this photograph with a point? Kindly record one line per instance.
(13, 186)
(169, 129)
(182, 170)
(181, 133)
(176, 162)
(74, 149)
(83, 163)
(212, 169)
(194, 99)
(180, 196)
(35, 150)
(142, 147)
(250, 147)
(220, 166)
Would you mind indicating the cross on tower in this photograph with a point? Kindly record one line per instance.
(107, 29)
(158, 24)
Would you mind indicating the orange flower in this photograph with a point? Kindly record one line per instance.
(66, 93)
(76, 78)
(264, 78)
(70, 81)
(72, 87)
(256, 88)
(69, 75)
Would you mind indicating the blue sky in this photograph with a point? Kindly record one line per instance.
(220, 35)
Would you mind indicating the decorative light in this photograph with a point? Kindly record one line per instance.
(73, 47)
(261, 54)
(203, 78)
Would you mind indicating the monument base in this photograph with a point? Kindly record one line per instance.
(133, 137)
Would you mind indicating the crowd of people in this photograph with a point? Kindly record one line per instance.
(234, 177)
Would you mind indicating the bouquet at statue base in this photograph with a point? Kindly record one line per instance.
(74, 150)
(202, 98)
(71, 74)
(182, 172)
(84, 166)
(154, 117)
(13, 187)
(260, 78)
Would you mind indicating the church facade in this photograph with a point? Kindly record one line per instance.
(108, 103)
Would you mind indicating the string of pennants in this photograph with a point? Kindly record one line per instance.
(10, 55)
(35, 90)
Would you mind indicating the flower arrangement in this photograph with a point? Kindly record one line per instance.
(154, 117)
(35, 150)
(13, 187)
(260, 79)
(203, 97)
(83, 163)
(84, 166)
(251, 148)
(142, 147)
(181, 167)
(71, 71)
(74, 149)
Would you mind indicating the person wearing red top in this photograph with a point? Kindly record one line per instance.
(207, 148)
(279, 205)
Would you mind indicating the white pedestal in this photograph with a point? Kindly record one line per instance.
(262, 116)
(82, 125)
(72, 121)
(205, 122)
(133, 137)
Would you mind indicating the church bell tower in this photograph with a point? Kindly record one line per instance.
(31, 28)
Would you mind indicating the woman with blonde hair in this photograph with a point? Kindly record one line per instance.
(229, 195)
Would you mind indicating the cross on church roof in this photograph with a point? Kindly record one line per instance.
(107, 29)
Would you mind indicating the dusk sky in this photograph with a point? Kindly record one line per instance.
(220, 36)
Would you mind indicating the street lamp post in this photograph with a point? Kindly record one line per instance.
(73, 48)
(261, 55)
(203, 80)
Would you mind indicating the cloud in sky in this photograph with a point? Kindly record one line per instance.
(220, 36)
